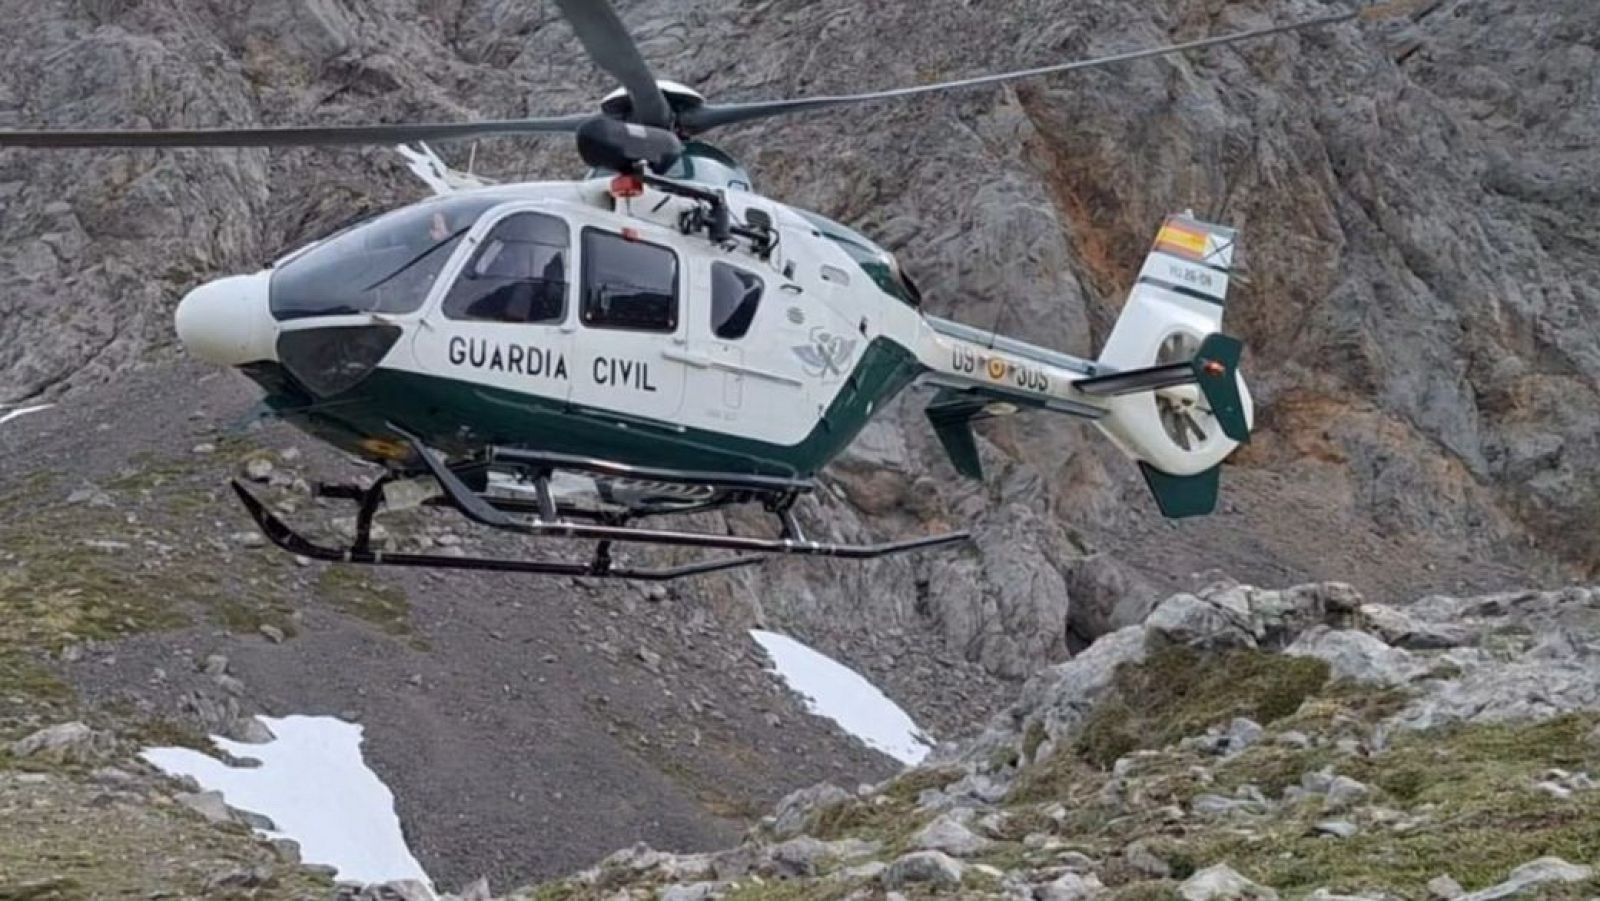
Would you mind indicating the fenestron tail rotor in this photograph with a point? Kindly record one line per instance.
(1177, 406)
(598, 28)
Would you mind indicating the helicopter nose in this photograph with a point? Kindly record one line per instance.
(228, 321)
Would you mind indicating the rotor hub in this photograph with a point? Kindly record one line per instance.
(619, 104)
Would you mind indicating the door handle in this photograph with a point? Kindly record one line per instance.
(694, 360)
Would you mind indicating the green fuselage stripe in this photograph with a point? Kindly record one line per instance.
(462, 417)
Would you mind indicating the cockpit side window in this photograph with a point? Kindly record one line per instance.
(386, 265)
(879, 264)
(628, 284)
(735, 295)
(518, 274)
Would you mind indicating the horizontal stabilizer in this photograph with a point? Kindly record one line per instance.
(1133, 381)
(1183, 496)
(951, 414)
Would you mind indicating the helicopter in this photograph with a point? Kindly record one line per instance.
(563, 359)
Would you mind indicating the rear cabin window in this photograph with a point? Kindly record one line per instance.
(628, 284)
(735, 295)
(518, 274)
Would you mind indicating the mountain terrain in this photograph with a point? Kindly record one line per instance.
(1420, 241)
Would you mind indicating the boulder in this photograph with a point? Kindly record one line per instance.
(1336, 828)
(1357, 656)
(799, 856)
(1060, 698)
(696, 891)
(1277, 618)
(66, 743)
(208, 804)
(1107, 595)
(1401, 629)
(932, 868)
(1215, 883)
(1544, 871)
(1146, 862)
(1205, 623)
(1242, 733)
(1344, 791)
(1070, 887)
(948, 834)
(797, 808)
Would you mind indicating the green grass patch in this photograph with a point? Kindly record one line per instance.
(1148, 890)
(360, 593)
(790, 890)
(1484, 817)
(1177, 692)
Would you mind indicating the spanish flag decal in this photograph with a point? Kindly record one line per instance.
(1183, 239)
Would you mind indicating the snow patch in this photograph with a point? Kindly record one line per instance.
(315, 787)
(22, 411)
(843, 695)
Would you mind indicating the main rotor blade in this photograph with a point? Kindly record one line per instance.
(711, 116)
(613, 49)
(291, 136)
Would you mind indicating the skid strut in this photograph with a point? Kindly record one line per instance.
(544, 521)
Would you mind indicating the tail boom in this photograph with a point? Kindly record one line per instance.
(1166, 388)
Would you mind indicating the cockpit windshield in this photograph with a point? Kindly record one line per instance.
(383, 265)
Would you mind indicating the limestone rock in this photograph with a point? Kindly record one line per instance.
(1060, 699)
(1070, 887)
(949, 835)
(1336, 828)
(1344, 791)
(66, 743)
(1535, 873)
(1403, 630)
(931, 868)
(797, 808)
(1192, 621)
(1559, 673)
(208, 804)
(1219, 882)
(1242, 733)
(799, 856)
(1107, 595)
(1145, 861)
(399, 890)
(1357, 656)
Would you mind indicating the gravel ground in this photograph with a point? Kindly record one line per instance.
(527, 725)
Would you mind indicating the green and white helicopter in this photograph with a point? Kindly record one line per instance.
(561, 359)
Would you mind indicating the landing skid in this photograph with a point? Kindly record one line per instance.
(545, 518)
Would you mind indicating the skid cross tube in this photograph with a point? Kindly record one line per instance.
(475, 508)
(542, 520)
(541, 460)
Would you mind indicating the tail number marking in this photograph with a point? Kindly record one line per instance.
(965, 361)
